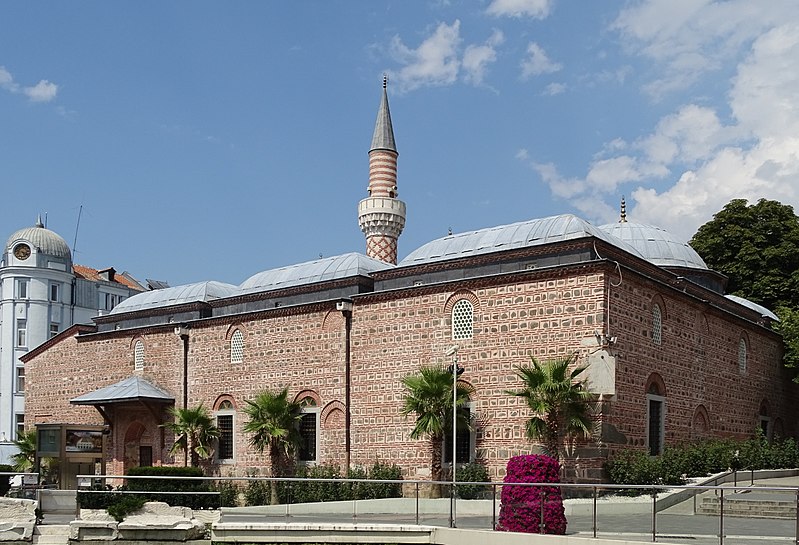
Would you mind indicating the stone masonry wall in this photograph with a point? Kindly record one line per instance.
(540, 314)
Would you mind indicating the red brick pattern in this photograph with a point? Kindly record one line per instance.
(536, 313)
(382, 247)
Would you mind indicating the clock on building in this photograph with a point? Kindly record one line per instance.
(22, 251)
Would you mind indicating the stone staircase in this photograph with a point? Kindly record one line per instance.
(751, 505)
(51, 534)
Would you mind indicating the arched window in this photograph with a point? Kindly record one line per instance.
(237, 347)
(225, 413)
(742, 356)
(764, 419)
(309, 431)
(462, 320)
(138, 356)
(656, 418)
(657, 324)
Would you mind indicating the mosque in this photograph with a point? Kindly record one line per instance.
(670, 357)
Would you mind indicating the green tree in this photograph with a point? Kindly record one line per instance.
(274, 425)
(194, 429)
(26, 444)
(757, 247)
(428, 395)
(559, 402)
(788, 327)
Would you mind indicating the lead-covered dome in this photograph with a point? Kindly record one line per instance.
(44, 240)
(657, 245)
(311, 272)
(199, 292)
(510, 237)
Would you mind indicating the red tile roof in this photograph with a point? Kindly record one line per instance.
(88, 273)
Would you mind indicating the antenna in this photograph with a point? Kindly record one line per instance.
(77, 226)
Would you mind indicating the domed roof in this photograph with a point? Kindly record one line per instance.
(46, 241)
(178, 295)
(657, 245)
(508, 237)
(329, 268)
(766, 313)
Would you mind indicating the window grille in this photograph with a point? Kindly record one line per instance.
(237, 347)
(224, 422)
(657, 325)
(138, 356)
(742, 356)
(464, 448)
(308, 437)
(462, 320)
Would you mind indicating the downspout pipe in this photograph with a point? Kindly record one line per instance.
(346, 310)
(182, 331)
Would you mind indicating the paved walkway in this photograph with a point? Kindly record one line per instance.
(626, 521)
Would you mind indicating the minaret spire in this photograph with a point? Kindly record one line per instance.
(623, 215)
(381, 215)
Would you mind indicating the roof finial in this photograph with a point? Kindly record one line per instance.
(623, 217)
(385, 80)
(39, 223)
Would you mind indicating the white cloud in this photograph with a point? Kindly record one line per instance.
(687, 38)
(476, 58)
(741, 142)
(687, 136)
(537, 9)
(439, 60)
(44, 91)
(765, 92)
(554, 89)
(756, 157)
(434, 62)
(537, 62)
(5, 77)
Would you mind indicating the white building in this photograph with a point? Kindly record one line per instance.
(42, 293)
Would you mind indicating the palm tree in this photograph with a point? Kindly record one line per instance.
(274, 423)
(559, 401)
(429, 396)
(195, 429)
(26, 444)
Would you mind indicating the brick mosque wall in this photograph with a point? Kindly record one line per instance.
(392, 338)
(394, 333)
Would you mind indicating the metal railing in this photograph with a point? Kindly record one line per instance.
(610, 513)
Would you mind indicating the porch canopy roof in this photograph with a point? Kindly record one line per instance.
(132, 389)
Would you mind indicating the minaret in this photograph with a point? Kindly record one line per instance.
(382, 215)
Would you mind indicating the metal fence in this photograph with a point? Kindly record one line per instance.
(700, 513)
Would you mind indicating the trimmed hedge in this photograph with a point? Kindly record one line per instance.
(258, 492)
(521, 507)
(475, 473)
(700, 459)
(155, 489)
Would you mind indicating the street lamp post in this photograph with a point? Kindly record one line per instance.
(456, 370)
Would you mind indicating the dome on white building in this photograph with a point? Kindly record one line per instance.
(44, 240)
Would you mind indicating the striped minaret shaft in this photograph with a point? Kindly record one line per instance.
(382, 215)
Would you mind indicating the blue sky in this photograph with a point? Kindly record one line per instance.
(214, 140)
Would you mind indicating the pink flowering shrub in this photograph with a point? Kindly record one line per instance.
(520, 510)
